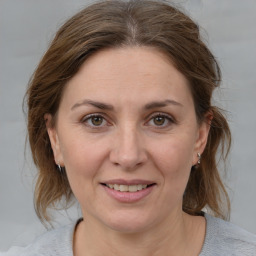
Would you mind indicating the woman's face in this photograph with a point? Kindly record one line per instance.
(127, 134)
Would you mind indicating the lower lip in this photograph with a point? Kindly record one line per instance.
(128, 197)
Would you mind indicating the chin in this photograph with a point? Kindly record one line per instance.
(128, 223)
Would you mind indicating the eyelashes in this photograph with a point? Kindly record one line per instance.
(95, 120)
(156, 120)
(160, 120)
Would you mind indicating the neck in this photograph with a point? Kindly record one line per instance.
(181, 234)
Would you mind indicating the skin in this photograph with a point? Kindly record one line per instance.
(129, 141)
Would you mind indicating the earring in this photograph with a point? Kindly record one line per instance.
(60, 168)
(199, 158)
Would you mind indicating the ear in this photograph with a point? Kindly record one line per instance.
(202, 136)
(54, 139)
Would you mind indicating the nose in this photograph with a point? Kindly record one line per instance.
(127, 149)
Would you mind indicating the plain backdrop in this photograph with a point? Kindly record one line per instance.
(26, 28)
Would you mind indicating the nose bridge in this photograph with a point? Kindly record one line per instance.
(128, 150)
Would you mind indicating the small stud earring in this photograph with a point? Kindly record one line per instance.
(60, 168)
(199, 158)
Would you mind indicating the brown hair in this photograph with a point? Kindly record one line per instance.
(110, 24)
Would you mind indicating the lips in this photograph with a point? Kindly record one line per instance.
(128, 191)
(128, 182)
(127, 188)
(128, 185)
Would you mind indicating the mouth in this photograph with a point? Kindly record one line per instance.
(128, 188)
(128, 191)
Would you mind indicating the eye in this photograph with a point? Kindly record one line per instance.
(160, 120)
(95, 120)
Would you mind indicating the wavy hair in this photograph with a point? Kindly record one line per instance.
(117, 23)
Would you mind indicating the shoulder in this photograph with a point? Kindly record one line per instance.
(52, 243)
(225, 238)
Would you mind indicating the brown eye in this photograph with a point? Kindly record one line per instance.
(97, 120)
(159, 120)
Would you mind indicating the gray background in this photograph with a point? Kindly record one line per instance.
(27, 26)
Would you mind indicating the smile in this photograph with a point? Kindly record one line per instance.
(128, 191)
(127, 188)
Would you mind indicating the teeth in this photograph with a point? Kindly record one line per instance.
(139, 187)
(133, 188)
(123, 188)
(127, 188)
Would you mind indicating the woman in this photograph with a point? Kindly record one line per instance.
(120, 116)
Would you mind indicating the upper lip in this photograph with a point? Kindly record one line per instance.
(128, 182)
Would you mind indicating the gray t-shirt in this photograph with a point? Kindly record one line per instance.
(222, 239)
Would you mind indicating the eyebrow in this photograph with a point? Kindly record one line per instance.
(104, 106)
(96, 104)
(159, 104)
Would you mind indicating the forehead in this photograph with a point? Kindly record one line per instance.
(131, 73)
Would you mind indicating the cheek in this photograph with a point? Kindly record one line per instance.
(174, 155)
(81, 152)
(83, 160)
(174, 160)
(174, 163)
